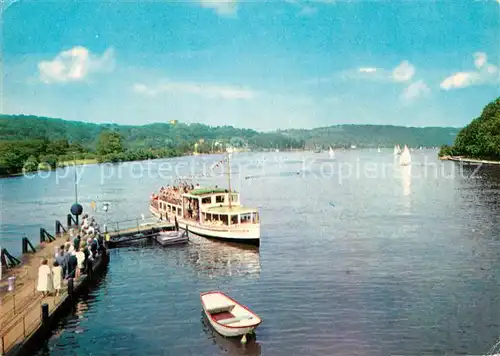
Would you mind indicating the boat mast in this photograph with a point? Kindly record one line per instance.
(229, 176)
(76, 180)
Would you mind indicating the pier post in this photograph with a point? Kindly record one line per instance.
(68, 221)
(89, 269)
(71, 288)
(42, 235)
(25, 245)
(59, 228)
(45, 316)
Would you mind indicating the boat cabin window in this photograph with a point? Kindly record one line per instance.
(246, 218)
(234, 197)
(219, 198)
(234, 219)
(224, 219)
(207, 200)
(255, 218)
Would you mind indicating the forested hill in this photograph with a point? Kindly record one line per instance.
(375, 135)
(481, 138)
(161, 135)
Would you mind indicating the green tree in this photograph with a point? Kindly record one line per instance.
(57, 147)
(481, 138)
(31, 164)
(110, 143)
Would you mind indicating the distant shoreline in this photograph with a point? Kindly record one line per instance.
(469, 160)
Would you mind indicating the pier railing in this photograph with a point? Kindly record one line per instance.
(19, 328)
(13, 303)
(130, 224)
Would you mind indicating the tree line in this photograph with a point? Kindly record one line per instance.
(481, 138)
(30, 142)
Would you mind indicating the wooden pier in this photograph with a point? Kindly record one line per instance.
(25, 315)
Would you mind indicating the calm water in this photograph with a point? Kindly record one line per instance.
(380, 261)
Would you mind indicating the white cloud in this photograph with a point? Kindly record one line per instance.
(367, 70)
(221, 7)
(480, 59)
(75, 65)
(415, 90)
(403, 72)
(212, 91)
(486, 73)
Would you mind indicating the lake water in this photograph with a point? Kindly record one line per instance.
(357, 257)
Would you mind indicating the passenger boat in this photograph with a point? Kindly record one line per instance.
(209, 212)
(227, 316)
(172, 237)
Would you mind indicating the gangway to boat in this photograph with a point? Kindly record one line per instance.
(123, 232)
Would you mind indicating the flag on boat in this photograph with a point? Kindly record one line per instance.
(218, 164)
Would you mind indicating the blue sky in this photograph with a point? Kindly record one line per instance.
(261, 65)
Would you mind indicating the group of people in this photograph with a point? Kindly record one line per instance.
(173, 194)
(71, 259)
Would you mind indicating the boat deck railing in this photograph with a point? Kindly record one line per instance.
(117, 226)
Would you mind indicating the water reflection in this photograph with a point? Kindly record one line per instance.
(215, 259)
(406, 179)
(231, 346)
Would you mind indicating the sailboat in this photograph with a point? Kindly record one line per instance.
(405, 158)
(331, 152)
(378, 149)
(397, 150)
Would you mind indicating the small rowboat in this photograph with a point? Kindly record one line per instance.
(227, 316)
(166, 238)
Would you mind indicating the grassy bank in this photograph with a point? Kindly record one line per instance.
(469, 160)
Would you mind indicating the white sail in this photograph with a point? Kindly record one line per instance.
(396, 151)
(405, 158)
(378, 150)
(331, 153)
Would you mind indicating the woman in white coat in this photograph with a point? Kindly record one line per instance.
(57, 276)
(44, 278)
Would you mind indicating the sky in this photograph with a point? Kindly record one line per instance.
(263, 65)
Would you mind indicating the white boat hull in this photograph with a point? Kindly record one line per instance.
(172, 238)
(229, 332)
(239, 234)
(242, 315)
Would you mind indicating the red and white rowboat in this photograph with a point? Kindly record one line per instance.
(227, 316)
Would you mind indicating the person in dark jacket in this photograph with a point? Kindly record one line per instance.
(65, 261)
(60, 259)
(93, 248)
(86, 252)
(72, 266)
(76, 242)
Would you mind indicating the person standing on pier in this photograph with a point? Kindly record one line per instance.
(61, 260)
(57, 275)
(76, 242)
(80, 259)
(65, 262)
(44, 278)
